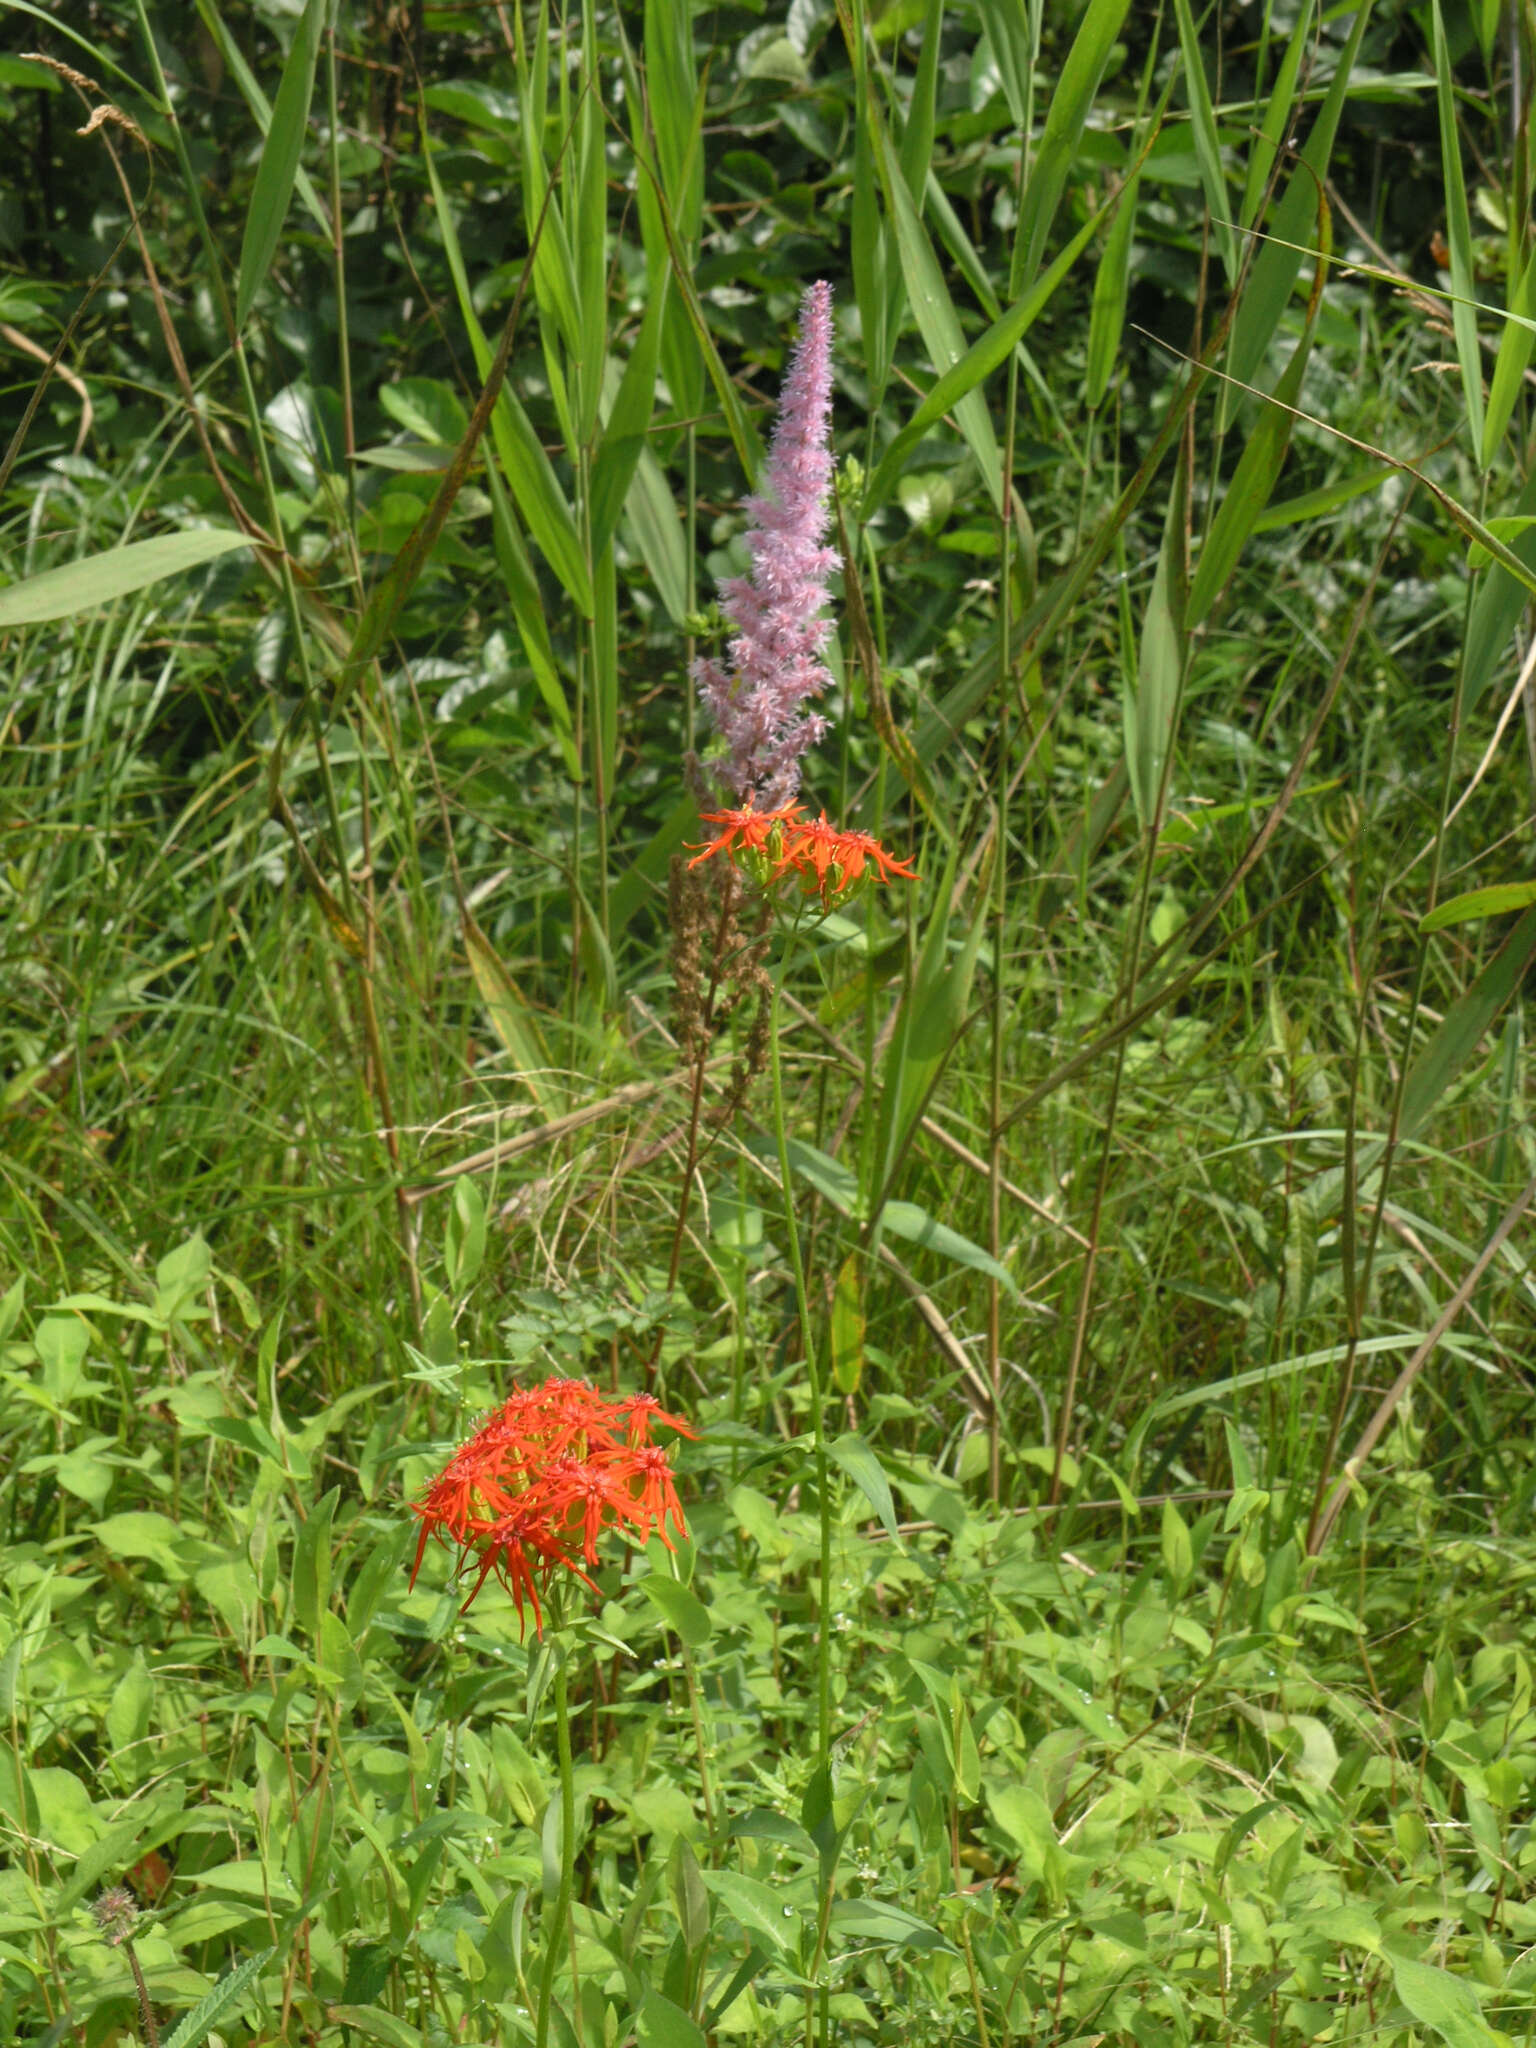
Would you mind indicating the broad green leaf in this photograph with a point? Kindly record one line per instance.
(847, 1327)
(464, 1236)
(77, 587)
(1493, 901)
(680, 1608)
(758, 1907)
(375, 2024)
(145, 1535)
(881, 1921)
(862, 1466)
(661, 2024)
(199, 2023)
(1445, 2004)
(312, 1564)
(272, 193)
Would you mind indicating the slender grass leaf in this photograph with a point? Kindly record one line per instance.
(1252, 485)
(195, 2027)
(1202, 116)
(272, 193)
(1496, 610)
(1008, 25)
(1151, 707)
(522, 587)
(863, 1467)
(535, 488)
(77, 587)
(655, 523)
(1514, 357)
(1478, 903)
(977, 363)
(1106, 320)
(1064, 122)
(260, 106)
(939, 323)
(510, 1016)
(1457, 1036)
(1278, 263)
(1458, 233)
(907, 1220)
(1280, 106)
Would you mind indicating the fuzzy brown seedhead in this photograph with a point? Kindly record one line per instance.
(720, 932)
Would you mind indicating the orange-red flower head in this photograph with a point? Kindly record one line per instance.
(768, 845)
(531, 1492)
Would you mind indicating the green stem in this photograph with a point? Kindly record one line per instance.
(555, 1932)
(812, 1373)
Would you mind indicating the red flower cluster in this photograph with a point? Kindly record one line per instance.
(772, 844)
(532, 1490)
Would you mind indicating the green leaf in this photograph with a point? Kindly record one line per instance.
(1457, 1036)
(878, 1920)
(1493, 901)
(1076, 85)
(312, 1564)
(464, 1237)
(681, 1609)
(757, 1907)
(77, 587)
(192, 2030)
(375, 2024)
(1207, 144)
(1445, 2004)
(661, 2024)
(907, 1220)
(1458, 233)
(146, 1535)
(868, 1475)
(272, 192)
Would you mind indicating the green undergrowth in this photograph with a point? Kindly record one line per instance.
(1159, 1159)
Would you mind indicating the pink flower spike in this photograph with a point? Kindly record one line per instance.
(774, 663)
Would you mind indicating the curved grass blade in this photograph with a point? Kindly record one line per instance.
(95, 580)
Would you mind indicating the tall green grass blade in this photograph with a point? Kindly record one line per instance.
(1278, 263)
(918, 129)
(939, 323)
(1258, 471)
(1007, 24)
(535, 488)
(590, 178)
(1496, 610)
(79, 587)
(629, 418)
(522, 587)
(1064, 122)
(1514, 359)
(1457, 1036)
(272, 193)
(1279, 108)
(652, 516)
(1106, 322)
(1458, 233)
(985, 355)
(1202, 116)
(1151, 704)
(260, 106)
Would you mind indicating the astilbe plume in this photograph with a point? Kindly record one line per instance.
(551, 1471)
(774, 663)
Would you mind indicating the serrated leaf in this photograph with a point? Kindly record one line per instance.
(195, 2027)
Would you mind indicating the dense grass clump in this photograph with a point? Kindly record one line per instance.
(1084, 1255)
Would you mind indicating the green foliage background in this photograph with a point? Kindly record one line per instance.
(1160, 1159)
